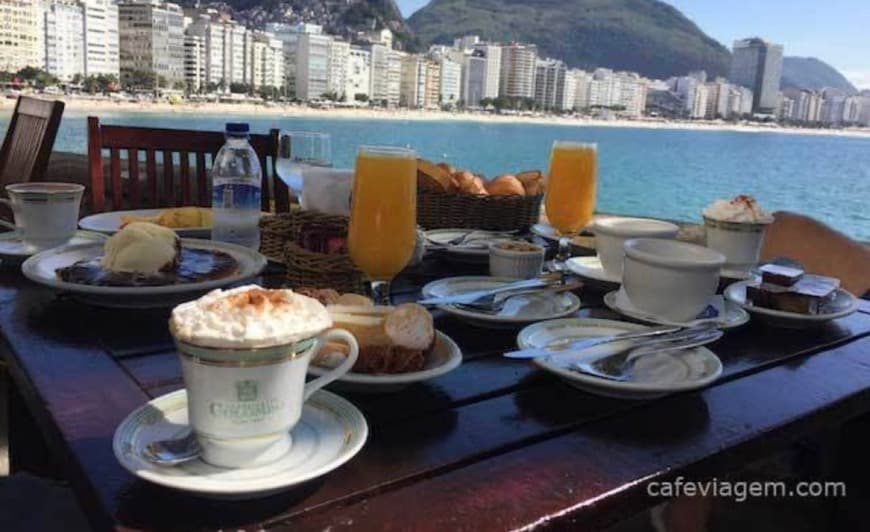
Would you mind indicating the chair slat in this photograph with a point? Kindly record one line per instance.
(151, 175)
(265, 204)
(279, 188)
(29, 139)
(202, 181)
(115, 176)
(185, 178)
(168, 184)
(135, 196)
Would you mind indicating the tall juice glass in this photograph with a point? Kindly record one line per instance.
(383, 215)
(571, 188)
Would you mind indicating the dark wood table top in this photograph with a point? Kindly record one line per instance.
(495, 444)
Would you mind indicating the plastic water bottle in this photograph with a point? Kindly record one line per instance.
(236, 180)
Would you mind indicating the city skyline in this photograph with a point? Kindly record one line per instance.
(832, 37)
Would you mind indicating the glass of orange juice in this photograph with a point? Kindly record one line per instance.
(571, 188)
(383, 214)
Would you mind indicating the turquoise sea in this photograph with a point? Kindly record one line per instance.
(650, 172)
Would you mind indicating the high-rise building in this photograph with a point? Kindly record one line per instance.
(339, 55)
(786, 107)
(195, 62)
(466, 42)
(394, 76)
(518, 62)
(739, 101)
(550, 83)
(21, 35)
(358, 80)
(833, 106)
(380, 67)
(232, 56)
(63, 24)
(412, 91)
(101, 38)
(473, 78)
(491, 54)
(289, 34)
(312, 66)
(582, 81)
(151, 40)
(757, 65)
(267, 61)
(451, 82)
(432, 96)
(717, 99)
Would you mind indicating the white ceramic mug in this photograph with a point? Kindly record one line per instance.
(242, 403)
(670, 279)
(611, 234)
(46, 214)
(740, 242)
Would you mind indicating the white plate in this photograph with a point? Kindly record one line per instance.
(12, 249)
(330, 432)
(519, 310)
(476, 250)
(732, 315)
(445, 356)
(844, 304)
(703, 366)
(736, 274)
(42, 267)
(110, 223)
(591, 268)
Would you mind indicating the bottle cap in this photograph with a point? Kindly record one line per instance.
(237, 128)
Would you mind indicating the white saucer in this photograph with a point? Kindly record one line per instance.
(445, 356)
(702, 366)
(520, 310)
(42, 267)
(844, 304)
(591, 268)
(731, 315)
(13, 250)
(110, 223)
(736, 274)
(329, 434)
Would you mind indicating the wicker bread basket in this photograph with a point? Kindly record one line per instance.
(280, 237)
(437, 209)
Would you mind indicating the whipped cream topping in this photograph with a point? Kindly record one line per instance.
(141, 247)
(743, 209)
(248, 317)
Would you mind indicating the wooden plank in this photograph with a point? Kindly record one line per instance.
(599, 473)
(169, 197)
(115, 175)
(151, 171)
(185, 178)
(135, 199)
(202, 197)
(95, 166)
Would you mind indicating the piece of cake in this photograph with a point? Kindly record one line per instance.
(780, 275)
(809, 295)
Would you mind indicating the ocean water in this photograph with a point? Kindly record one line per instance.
(651, 172)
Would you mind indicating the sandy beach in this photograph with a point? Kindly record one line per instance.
(99, 106)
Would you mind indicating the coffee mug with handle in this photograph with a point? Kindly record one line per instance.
(46, 214)
(242, 403)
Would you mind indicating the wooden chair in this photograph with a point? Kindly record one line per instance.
(29, 140)
(170, 178)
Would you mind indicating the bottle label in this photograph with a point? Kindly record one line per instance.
(236, 196)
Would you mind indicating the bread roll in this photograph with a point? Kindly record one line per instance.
(533, 182)
(506, 185)
(354, 300)
(410, 326)
(447, 168)
(431, 176)
(462, 181)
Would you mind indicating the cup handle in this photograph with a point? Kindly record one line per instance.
(344, 367)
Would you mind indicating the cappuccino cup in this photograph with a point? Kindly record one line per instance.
(246, 388)
(46, 214)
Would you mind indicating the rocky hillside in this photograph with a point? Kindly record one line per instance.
(646, 36)
(813, 74)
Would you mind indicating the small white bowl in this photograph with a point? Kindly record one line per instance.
(670, 279)
(611, 234)
(515, 263)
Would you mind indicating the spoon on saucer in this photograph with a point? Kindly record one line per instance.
(173, 452)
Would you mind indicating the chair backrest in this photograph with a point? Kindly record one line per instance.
(176, 163)
(29, 140)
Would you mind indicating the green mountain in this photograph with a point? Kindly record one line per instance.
(813, 74)
(645, 36)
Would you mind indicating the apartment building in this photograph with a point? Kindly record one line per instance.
(358, 78)
(151, 40)
(517, 74)
(21, 35)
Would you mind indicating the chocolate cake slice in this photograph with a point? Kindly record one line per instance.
(808, 295)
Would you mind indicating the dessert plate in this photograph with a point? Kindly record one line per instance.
(330, 432)
(13, 250)
(663, 373)
(843, 304)
(110, 223)
(725, 313)
(443, 357)
(591, 268)
(518, 310)
(41, 268)
(475, 248)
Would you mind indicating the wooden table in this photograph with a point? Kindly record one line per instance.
(495, 444)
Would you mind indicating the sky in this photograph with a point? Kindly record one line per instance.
(835, 31)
